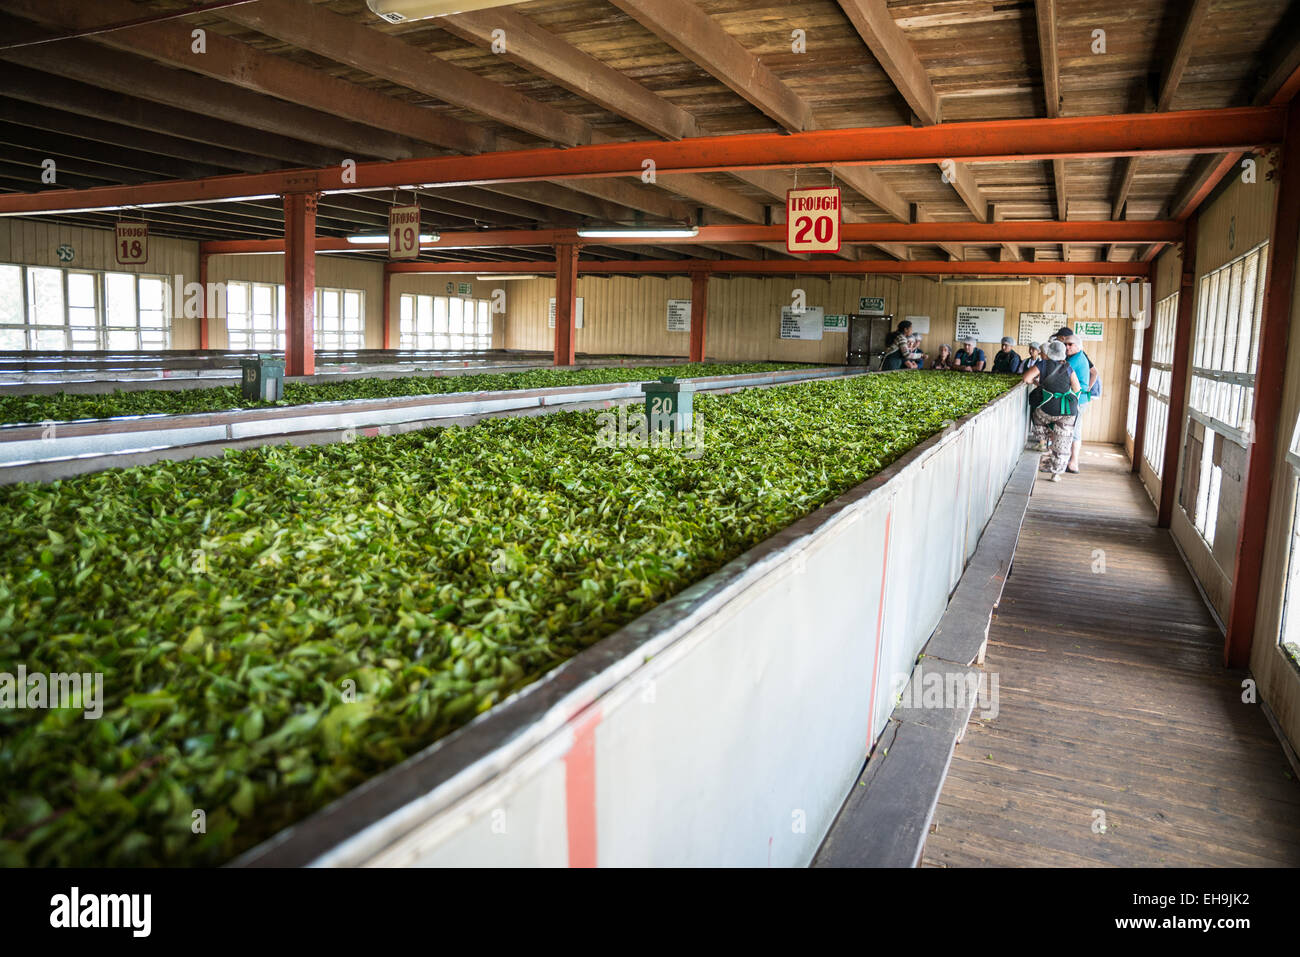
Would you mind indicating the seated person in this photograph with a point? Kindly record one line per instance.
(944, 359)
(1006, 360)
(969, 358)
(916, 359)
(898, 351)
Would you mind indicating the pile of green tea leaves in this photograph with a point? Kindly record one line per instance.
(277, 625)
(64, 407)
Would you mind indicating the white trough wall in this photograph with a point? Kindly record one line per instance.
(726, 726)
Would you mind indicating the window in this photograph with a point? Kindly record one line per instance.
(1289, 629)
(1162, 364)
(255, 316)
(1227, 344)
(44, 308)
(444, 322)
(1134, 384)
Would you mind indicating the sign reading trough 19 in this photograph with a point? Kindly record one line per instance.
(404, 232)
(812, 220)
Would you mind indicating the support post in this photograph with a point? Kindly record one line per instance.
(1144, 383)
(387, 307)
(1275, 327)
(203, 300)
(699, 312)
(566, 302)
(299, 283)
(1178, 377)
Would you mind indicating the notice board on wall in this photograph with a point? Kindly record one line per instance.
(679, 315)
(981, 323)
(806, 323)
(577, 315)
(1039, 326)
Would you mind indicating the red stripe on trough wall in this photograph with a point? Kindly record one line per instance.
(580, 789)
(880, 630)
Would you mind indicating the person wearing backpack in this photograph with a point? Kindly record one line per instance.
(1054, 402)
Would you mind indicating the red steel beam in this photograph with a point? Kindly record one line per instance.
(299, 283)
(791, 266)
(203, 300)
(1132, 134)
(1079, 232)
(1265, 433)
(1144, 382)
(699, 312)
(566, 302)
(1178, 378)
(388, 317)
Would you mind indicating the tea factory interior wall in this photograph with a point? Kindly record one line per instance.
(628, 316)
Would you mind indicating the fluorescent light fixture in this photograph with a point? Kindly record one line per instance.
(381, 239)
(400, 11)
(504, 277)
(639, 232)
(944, 280)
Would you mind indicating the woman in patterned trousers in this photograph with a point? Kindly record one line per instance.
(1055, 404)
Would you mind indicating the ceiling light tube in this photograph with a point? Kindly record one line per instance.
(638, 232)
(381, 239)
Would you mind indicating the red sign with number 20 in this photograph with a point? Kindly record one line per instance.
(812, 220)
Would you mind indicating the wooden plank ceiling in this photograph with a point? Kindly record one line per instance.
(287, 83)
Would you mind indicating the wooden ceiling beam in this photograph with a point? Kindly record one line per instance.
(887, 43)
(361, 47)
(698, 37)
(1193, 21)
(216, 103)
(896, 56)
(243, 148)
(545, 54)
(244, 66)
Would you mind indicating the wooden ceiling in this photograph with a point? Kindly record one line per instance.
(288, 83)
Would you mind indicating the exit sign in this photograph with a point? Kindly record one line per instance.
(464, 289)
(812, 220)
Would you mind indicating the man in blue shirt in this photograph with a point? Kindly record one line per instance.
(1006, 360)
(968, 358)
(1087, 373)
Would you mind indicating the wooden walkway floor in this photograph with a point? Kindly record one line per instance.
(1112, 699)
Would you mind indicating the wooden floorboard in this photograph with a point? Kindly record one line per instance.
(1112, 698)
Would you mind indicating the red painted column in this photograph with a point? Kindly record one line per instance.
(203, 300)
(1178, 377)
(699, 313)
(299, 283)
(566, 302)
(1144, 382)
(1274, 332)
(388, 318)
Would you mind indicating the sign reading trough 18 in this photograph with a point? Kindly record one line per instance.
(404, 232)
(812, 220)
(132, 243)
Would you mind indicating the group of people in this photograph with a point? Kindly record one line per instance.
(1058, 399)
(1057, 369)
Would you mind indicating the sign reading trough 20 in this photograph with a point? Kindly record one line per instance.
(812, 220)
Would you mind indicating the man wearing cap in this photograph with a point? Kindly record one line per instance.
(1087, 374)
(1006, 360)
(969, 358)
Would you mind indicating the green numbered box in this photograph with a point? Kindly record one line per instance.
(669, 404)
(263, 378)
